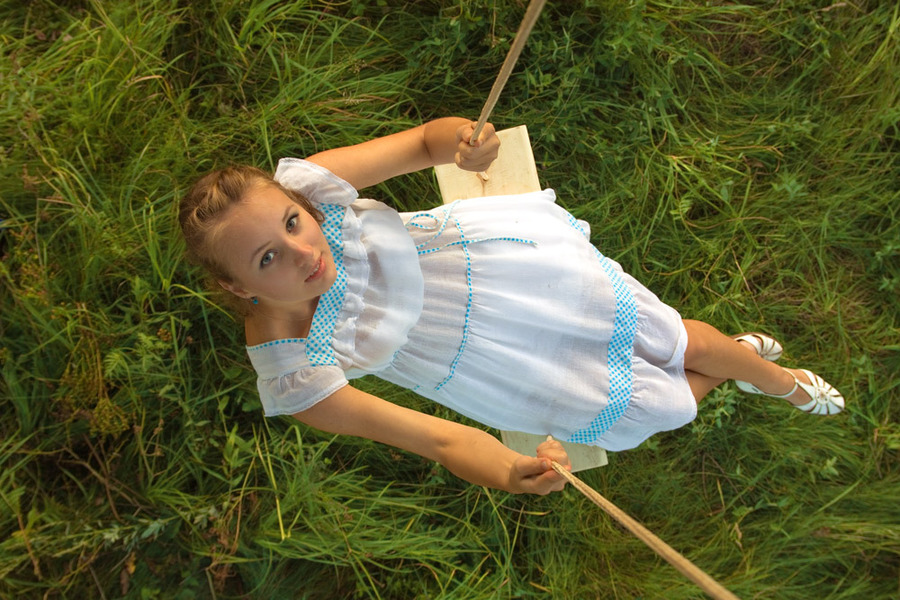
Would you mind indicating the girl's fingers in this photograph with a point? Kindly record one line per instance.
(553, 450)
(487, 133)
(529, 467)
(478, 156)
(537, 476)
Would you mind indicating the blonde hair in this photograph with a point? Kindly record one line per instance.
(202, 209)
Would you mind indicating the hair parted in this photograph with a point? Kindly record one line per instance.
(206, 203)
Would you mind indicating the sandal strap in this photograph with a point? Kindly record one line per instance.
(808, 407)
(793, 389)
(752, 389)
(766, 347)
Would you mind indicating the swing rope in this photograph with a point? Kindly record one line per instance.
(531, 15)
(687, 568)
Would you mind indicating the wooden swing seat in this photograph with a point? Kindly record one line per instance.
(514, 172)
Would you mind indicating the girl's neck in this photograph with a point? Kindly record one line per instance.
(266, 323)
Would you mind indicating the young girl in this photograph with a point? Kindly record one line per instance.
(499, 308)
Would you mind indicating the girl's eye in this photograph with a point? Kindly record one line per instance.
(292, 222)
(267, 258)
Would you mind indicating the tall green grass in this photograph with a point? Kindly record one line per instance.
(740, 159)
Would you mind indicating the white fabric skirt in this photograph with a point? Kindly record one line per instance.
(526, 326)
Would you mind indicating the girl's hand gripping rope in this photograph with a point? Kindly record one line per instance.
(536, 475)
(479, 155)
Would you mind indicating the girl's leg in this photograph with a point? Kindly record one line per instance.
(716, 357)
(701, 385)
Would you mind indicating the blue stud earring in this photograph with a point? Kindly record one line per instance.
(255, 300)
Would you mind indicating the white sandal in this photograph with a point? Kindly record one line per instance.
(766, 347)
(826, 400)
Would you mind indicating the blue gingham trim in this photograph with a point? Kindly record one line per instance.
(426, 221)
(620, 352)
(465, 334)
(318, 344)
(277, 343)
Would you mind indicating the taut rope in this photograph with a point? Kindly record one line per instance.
(687, 568)
(531, 15)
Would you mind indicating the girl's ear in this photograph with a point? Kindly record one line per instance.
(234, 289)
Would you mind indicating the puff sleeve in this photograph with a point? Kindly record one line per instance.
(287, 382)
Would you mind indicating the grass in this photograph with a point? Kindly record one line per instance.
(739, 159)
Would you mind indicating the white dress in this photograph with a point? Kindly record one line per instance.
(499, 308)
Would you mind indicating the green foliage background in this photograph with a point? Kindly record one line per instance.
(741, 159)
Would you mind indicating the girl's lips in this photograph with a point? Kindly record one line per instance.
(320, 270)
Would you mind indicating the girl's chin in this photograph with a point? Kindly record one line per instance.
(314, 290)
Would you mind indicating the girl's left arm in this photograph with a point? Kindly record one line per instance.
(437, 142)
(469, 453)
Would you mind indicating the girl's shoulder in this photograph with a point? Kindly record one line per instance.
(259, 330)
(316, 183)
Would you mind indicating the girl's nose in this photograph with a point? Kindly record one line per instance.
(301, 251)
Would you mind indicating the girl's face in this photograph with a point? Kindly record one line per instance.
(275, 251)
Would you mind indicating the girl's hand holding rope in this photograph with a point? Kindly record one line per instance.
(477, 156)
(536, 475)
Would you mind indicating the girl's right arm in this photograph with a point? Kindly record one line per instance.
(469, 453)
(437, 142)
